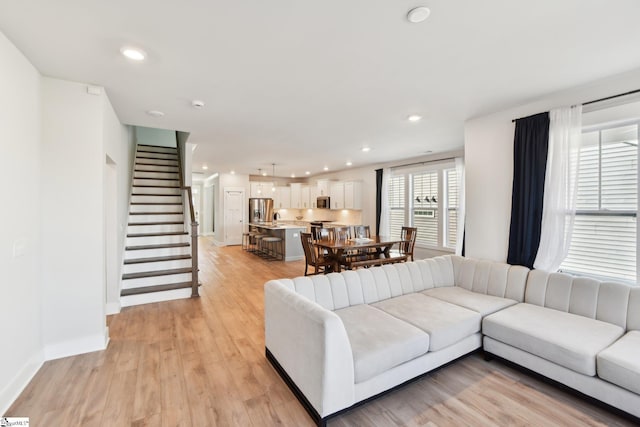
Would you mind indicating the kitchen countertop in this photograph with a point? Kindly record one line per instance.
(268, 226)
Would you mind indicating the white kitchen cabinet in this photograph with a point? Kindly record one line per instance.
(304, 197)
(313, 197)
(282, 198)
(323, 187)
(296, 196)
(261, 189)
(353, 195)
(336, 192)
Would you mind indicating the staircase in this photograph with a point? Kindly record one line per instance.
(158, 264)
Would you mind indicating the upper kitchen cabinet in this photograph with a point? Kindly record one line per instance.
(261, 189)
(323, 187)
(353, 195)
(282, 198)
(336, 193)
(346, 195)
(296, 196)
(304, 197)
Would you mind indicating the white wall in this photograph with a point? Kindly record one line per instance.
(20, 158)
(153, 136)
(489, 163)
(73, 288)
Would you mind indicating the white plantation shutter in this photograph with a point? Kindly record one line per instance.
(605, 229)
(425, 211)
(397, 204)
(453, 202)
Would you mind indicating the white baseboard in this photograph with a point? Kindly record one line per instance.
(77, 346)
(10, 392)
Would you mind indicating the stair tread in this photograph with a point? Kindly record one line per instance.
(169, 233)
(156, 178)
(143, 274)
(156, 146)
(157, 223)
(156, 259)
(155, 203)
(177, 187)
(155, 213)
(158, 246)
(155, 288)
(152, 194)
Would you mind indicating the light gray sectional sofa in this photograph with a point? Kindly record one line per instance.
(342, 338)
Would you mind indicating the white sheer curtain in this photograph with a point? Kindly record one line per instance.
(461, 204)
(560, 187)
(384, 211)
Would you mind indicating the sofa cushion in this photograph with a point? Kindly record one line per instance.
(567, 339)
(380, 341)
(483, 304)
(620, 363)
(445, 323)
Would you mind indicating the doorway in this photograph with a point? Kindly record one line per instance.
(233, 216)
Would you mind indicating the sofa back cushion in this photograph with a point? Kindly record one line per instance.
(633, 315)
(490, 278)
(606, 301)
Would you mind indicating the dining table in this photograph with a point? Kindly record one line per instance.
(375, 250)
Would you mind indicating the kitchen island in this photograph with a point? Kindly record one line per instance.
(289, 233)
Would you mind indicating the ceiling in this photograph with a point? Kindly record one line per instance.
(306, 85)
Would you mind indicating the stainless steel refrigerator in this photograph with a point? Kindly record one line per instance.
(260, 210)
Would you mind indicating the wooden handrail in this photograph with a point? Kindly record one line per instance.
(194, 223)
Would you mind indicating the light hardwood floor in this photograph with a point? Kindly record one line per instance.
(200, 362)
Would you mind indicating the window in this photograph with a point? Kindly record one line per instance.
(604, 237)
(427, 199)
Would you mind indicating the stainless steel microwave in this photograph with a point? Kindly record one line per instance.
(323, 202)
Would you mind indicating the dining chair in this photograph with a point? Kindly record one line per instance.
(342, 233)
(408, 234)
(361, 231)
(318, 262)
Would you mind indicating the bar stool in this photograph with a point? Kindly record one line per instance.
(257, 242)
(272, 247)
(246, 240)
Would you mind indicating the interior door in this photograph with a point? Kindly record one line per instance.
(233, 216)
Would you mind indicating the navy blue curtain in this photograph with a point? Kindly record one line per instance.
(378, 199)
(530, 147)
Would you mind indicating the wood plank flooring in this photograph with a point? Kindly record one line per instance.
(200, 362)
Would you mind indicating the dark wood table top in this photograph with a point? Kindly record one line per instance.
(375, 242)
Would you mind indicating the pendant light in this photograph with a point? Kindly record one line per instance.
(273, 165)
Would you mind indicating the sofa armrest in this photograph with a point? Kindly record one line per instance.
(310, 343)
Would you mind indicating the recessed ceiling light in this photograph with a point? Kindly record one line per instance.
(264, 174)
(418, 14)
(155, 113)
(205, 167)
(366, 149)
(293, 175)
(326, 168)
(307, 173)
(349, 163)
(133, 53)
(233, 172)
(414, 118)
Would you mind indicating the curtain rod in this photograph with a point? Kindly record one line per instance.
(606, 98)
(422, 163)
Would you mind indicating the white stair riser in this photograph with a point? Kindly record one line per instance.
(156, 182)
(155, 266)
(152, 175)
(157, 280)
(148, 253)
(157, 240)
(157, 218)
(156, 208)
(157, 168)
(154, 190)
(156, 199)
(164, 228)
(165, 156)
(156, 162)
(156, 149)
(131, 300)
